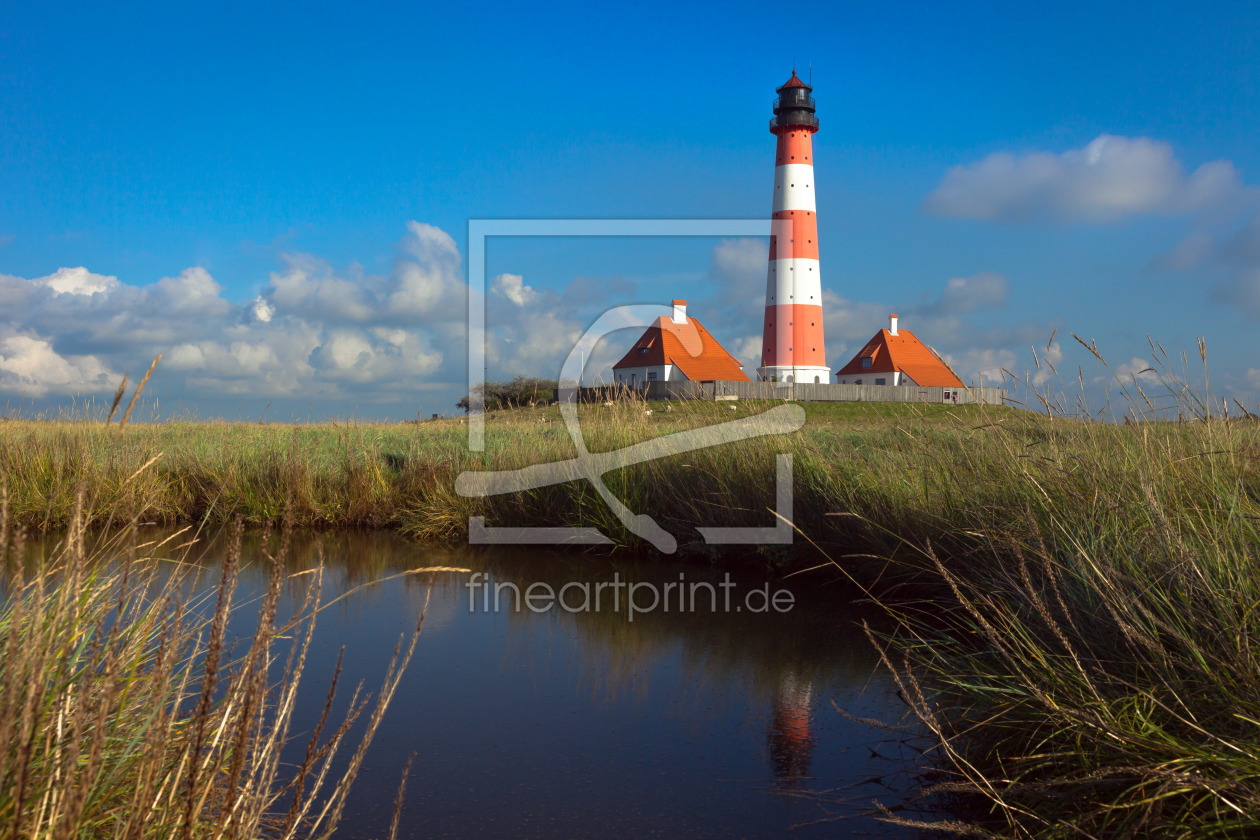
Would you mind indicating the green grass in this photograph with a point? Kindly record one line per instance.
(1079, 601)
(868, 478)
(1093, 671)
(1087, 665)
(877, 460)
(872, 478)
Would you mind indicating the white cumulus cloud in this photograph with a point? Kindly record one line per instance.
(1138, 368)
(262, 310)
(427, 282)
(512, 287)
(313, 332)
(30, 365)
(77, 281)
(1110, 178)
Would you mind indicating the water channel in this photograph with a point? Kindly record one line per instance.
(713, 720)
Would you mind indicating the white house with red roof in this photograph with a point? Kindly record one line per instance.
(896, 357)
(677, 348)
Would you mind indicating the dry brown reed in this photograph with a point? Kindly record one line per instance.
(122, 386)
(139, 390)
(125, 713)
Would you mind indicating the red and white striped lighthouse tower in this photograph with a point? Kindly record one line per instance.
(792, 347)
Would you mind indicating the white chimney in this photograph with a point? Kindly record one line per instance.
(892, 324)
(680, 312)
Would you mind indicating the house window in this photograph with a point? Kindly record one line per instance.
(857, 382)
(817, 380)
(947, 395)
(881, 381)
(651, 376)
(866, 361)
(643, 349)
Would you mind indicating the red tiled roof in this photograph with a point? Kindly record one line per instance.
(793, 82)
(903, 352)
(689, 347)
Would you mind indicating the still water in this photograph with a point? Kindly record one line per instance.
(580, 722)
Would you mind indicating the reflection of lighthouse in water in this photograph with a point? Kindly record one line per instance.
(791, 743)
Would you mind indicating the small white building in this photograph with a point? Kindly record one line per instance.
(677, 348)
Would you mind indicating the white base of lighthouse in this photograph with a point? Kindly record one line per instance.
(794, 375)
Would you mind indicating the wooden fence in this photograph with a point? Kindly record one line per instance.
(799, 392)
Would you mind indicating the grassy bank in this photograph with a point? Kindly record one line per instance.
(899, 473)
(1093, 670)
(1087, 595)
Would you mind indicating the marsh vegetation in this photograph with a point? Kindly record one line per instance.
(1078, 601)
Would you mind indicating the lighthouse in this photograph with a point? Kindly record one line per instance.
(792, 346)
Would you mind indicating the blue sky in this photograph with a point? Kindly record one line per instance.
(277, 196)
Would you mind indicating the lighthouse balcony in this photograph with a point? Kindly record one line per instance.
(787, 101)
(801, 118)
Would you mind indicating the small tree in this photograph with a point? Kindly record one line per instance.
(517, 392)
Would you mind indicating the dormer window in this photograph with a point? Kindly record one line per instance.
(643, 349)
(866, 361)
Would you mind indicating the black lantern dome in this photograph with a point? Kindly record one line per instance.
(795, 107)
